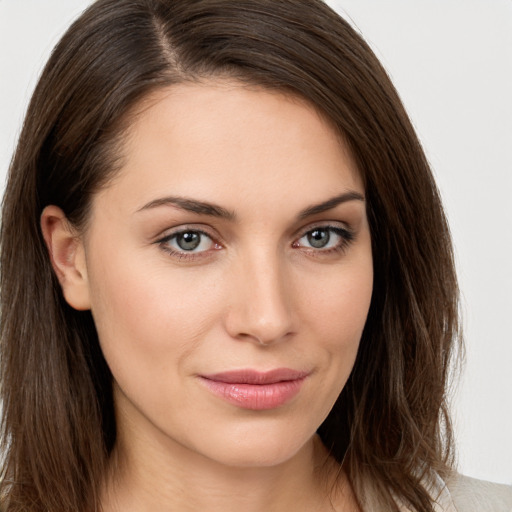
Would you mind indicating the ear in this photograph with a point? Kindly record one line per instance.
(67, 256)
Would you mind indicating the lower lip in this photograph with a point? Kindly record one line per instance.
(256, 397)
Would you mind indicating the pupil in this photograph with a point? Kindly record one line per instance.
(318, 238)
(188, 241)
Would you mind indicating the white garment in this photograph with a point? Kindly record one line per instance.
(471, 495)
(463, 494)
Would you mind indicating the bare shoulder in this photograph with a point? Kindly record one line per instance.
(472, 495)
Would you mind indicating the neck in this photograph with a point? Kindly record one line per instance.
(144, 477)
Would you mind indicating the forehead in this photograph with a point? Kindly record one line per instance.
(223, 141)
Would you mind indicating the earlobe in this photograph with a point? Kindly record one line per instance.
(67, 256)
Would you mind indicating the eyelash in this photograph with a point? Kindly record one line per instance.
(187, 255)
(346, 235)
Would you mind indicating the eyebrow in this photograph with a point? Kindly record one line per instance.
(330, 204)
(205, 208)
(191, 205)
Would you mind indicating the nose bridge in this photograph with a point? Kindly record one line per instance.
(261, 305)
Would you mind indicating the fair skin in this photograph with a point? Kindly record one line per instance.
(233, 239)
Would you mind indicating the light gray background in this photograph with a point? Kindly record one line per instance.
(451, 61)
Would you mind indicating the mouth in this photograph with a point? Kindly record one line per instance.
(255, 390)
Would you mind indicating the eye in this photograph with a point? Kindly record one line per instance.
(319, 238)
(188, 243)
(325, 239)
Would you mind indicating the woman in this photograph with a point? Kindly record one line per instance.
(227, 280)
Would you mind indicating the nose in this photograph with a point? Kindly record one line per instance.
(260, 309)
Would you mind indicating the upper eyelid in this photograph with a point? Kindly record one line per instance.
(169, 233)
(346, 234)
(323, 224)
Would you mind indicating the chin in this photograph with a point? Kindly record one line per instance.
(257, 447)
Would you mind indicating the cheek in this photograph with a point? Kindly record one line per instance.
(338, 307)
(337, 316)
(147, 318)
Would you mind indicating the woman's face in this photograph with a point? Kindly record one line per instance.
(229, 273)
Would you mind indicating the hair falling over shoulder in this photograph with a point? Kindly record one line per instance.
(390, 425)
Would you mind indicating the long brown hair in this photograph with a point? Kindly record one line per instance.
(390, 424)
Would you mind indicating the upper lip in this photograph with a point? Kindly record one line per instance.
(250, 376)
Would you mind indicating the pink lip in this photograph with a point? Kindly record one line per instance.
(251, 389)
